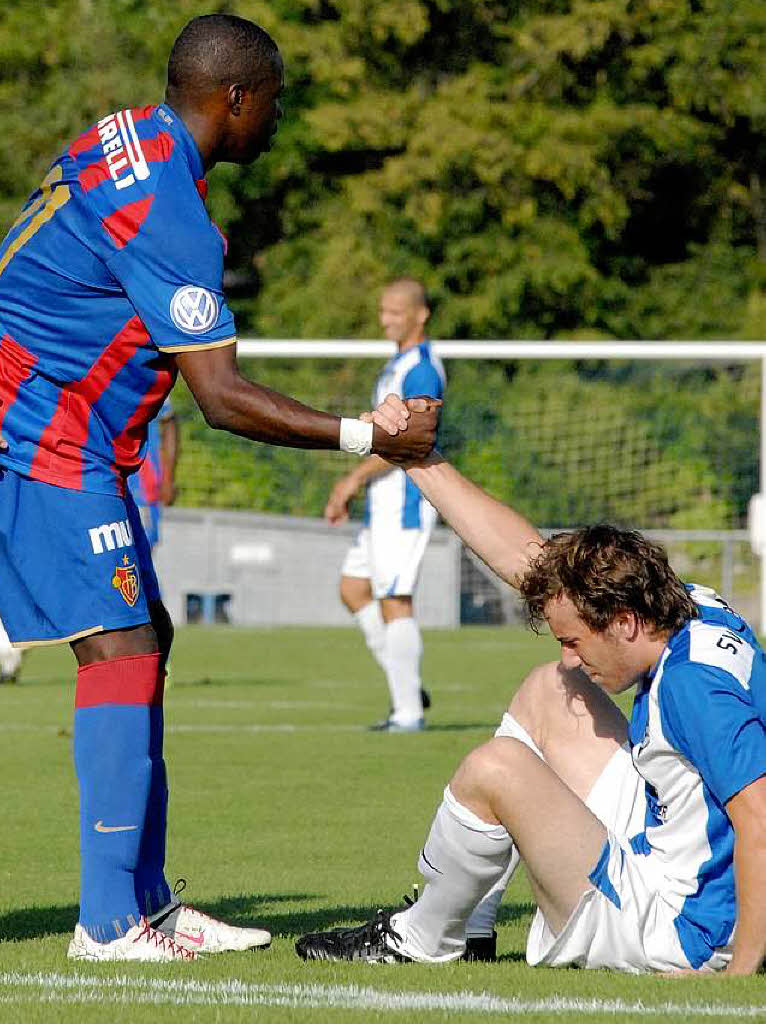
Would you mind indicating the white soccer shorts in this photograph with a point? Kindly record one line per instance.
(639, 935)
(388, 555)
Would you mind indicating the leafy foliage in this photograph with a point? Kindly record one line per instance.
(549, 168)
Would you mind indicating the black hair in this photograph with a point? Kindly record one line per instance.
(220, 49)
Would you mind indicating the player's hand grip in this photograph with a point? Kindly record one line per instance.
(417, 440)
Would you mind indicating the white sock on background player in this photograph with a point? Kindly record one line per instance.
(370, 621)
(403, 648)
(463, 861)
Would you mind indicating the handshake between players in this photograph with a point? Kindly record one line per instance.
(404, 430)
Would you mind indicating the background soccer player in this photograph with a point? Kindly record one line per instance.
(110, 285)
(380, 571)
(154, 485)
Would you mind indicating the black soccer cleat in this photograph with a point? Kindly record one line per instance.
(481, 948)
(425, 699)
(367, 942)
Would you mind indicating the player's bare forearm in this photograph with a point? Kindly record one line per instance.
(230, 402)
(372, 467)
(500, 536)
(336, 509)
(747, 811)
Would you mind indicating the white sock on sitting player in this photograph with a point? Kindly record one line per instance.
(484, 918)
(476, 862)
(370, 621)
(402, 651)
(464, 859)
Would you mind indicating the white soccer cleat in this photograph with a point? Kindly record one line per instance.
(141, 942)
(204, 934)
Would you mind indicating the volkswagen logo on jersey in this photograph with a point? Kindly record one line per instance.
(194, 310)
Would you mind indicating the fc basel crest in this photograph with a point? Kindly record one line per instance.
(126, 580)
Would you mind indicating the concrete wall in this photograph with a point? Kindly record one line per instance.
(282, 570)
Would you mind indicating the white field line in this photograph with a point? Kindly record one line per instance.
(125, 990)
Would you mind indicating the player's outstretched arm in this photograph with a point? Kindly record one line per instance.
(230, 402)
(495, 532)
(500, 536)
(747, 811)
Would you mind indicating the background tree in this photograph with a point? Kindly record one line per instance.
(549, 168)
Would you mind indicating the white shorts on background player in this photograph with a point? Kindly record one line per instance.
(627, 922)
(389, 549)
(389, 554)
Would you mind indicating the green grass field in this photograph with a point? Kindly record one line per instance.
(285, 811)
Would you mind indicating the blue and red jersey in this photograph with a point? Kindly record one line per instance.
(112, 267)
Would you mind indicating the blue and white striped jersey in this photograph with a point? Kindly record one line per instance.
(698, 737)
(415, 371)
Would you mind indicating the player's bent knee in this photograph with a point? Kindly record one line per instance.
(487, 766)
(536, 687)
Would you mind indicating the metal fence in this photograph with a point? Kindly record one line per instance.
(248, 569)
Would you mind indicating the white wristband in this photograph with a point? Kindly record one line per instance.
(355, 437)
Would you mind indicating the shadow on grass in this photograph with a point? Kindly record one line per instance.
(240, 910)
(509, 913)
(37, 922)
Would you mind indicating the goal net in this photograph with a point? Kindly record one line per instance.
(663, 439)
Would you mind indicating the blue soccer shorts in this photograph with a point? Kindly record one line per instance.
(72, 563)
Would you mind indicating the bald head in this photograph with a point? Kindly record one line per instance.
(410, 289)
(404, 311)
(219, 50)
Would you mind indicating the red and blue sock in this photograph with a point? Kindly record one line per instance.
(118, 727)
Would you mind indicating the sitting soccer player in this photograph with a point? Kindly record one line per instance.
(627, 831)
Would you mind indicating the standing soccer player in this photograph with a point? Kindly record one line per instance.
(380, 572)
(111, 284)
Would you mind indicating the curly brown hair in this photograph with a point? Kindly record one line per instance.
(604, 570)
